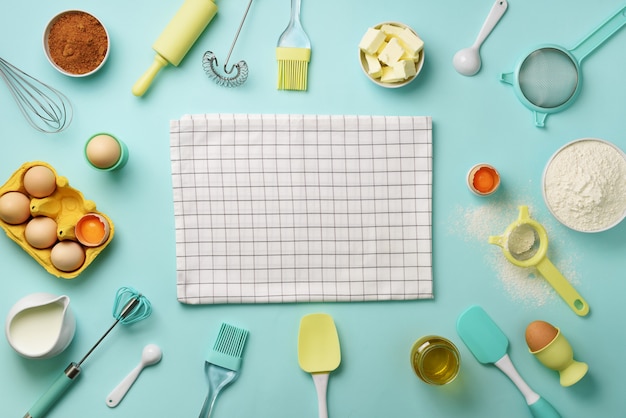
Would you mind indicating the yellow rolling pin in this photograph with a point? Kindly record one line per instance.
(177, 38)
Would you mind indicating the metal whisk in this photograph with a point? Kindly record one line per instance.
(130, 306)
(45, 108)
(209, 63)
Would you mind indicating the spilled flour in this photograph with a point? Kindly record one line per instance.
(525, 285)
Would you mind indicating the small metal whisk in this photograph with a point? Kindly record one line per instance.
(45, 108)
(209, 63)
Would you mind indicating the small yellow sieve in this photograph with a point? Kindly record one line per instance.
(525, 244)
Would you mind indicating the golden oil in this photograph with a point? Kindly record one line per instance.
(435, 360)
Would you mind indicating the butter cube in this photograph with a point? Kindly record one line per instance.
(404, 68)
(374, 68)
(380, 48)
(372, 40)
(390, 75)
(411, 43)
(399, 71)
(391, 53)
(391, 31)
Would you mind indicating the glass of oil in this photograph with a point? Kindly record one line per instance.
(435, 360)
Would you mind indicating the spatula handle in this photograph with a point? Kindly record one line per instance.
(506, 365)
(543, 409)
(539, 407)
(321, 386)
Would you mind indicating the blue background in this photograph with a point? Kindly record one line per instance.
(475, 119)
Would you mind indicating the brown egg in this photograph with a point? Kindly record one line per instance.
(103, 151)
(539, 334)
(41, 232)
(14, 208)
(67, 256)
(39, 181)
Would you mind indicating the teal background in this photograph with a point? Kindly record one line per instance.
(475, 119)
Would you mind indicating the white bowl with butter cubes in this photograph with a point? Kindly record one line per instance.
(391, 54)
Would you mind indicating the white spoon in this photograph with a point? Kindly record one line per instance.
(150, 355)
(467, 60)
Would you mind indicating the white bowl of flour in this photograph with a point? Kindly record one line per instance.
(584, 185)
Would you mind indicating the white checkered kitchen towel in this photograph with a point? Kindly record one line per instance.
(299, 208)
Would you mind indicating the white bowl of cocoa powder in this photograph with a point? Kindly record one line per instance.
(76, 43)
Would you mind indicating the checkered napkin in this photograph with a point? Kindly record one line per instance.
(302, 208)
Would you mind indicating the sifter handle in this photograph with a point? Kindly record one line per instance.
(54, 392)
(600, 35)
(563, 287)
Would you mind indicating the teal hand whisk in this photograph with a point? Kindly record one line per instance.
(130, 307)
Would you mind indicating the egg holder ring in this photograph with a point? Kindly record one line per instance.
(66, 215)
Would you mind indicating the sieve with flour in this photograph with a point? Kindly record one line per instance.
(525, 244)
(547, 80)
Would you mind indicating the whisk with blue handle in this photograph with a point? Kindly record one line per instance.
(130, 307)
(45, 108)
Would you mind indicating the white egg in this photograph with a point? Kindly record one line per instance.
(67, 256)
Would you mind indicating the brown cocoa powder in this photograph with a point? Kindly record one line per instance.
(77, 42)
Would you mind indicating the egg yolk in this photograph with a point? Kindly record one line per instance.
(485, 179)
(92, 230)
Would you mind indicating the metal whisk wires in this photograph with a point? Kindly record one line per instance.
(45, 108)
(209, 63)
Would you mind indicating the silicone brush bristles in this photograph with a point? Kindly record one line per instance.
(228, 347)
(293, 67)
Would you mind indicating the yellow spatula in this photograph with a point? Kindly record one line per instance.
(319, 353)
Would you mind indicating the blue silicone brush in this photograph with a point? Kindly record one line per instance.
(222, 363)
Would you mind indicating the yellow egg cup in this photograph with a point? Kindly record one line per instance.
(66, 206)
(559, 356)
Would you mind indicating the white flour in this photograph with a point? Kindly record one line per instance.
(521, 240)
(525, 285)
(585, 185)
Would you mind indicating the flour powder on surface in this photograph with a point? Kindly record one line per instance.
(585, 185)
(523, 285)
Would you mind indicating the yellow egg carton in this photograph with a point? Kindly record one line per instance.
(65, 206)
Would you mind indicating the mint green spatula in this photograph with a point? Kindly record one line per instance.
(489, 345)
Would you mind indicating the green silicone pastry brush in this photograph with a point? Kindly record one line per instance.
(293, 53)
(222, 363)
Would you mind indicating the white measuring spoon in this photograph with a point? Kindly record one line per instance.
(467, 60)
(150, 355)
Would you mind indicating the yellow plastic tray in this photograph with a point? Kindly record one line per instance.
(66, 205)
